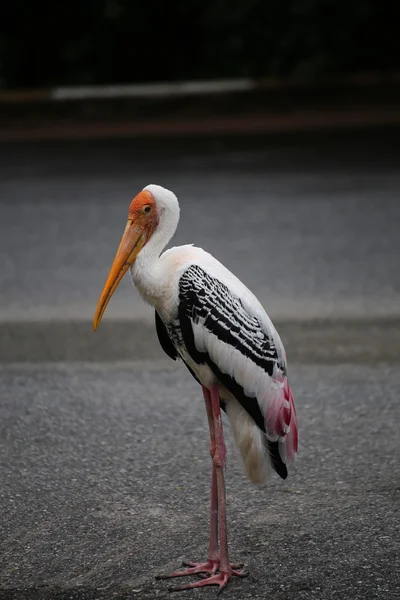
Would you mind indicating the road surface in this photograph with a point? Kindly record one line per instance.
(104, 465)
(105, 482)
(309, 223)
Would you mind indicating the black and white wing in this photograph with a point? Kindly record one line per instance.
(218, 328)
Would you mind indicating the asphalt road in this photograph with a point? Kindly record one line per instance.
(309, 223)
(104, 466)
(105, 481)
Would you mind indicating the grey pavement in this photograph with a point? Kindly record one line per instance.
(105, 482)
(104, 466)
(309, 223)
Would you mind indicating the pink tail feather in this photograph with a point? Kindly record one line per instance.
(282, 421)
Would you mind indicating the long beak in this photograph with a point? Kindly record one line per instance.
(131, 243)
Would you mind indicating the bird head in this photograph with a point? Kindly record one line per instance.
(148, 209)
(142, 221)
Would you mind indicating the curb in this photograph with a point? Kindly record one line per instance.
(236, 106)
(322, 341)
(203, 87)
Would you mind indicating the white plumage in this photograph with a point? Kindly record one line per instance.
(158, 282)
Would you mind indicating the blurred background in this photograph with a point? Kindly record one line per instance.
(105, 62)
(48, 44)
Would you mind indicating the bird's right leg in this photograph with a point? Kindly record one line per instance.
(212, 564)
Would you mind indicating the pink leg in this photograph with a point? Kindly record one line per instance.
(226, 570)
(213, 553)
(212, 564)
(220, 461)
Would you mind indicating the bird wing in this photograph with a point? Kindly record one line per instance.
(164, 339)
(167, 345)
(219, 328)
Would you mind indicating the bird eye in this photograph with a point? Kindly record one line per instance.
(147, 209)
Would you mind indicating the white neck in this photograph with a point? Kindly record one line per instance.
(146, 274)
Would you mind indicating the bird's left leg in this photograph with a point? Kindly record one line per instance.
(226, 569)
(212, 564)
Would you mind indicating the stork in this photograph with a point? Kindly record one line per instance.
(210, 320)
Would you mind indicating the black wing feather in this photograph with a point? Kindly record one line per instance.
(164, 338)
(166, 343)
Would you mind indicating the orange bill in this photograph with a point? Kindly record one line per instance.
(133, 240)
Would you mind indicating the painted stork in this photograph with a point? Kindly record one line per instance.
(206, 317)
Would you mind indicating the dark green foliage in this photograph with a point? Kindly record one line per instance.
(44, 43)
